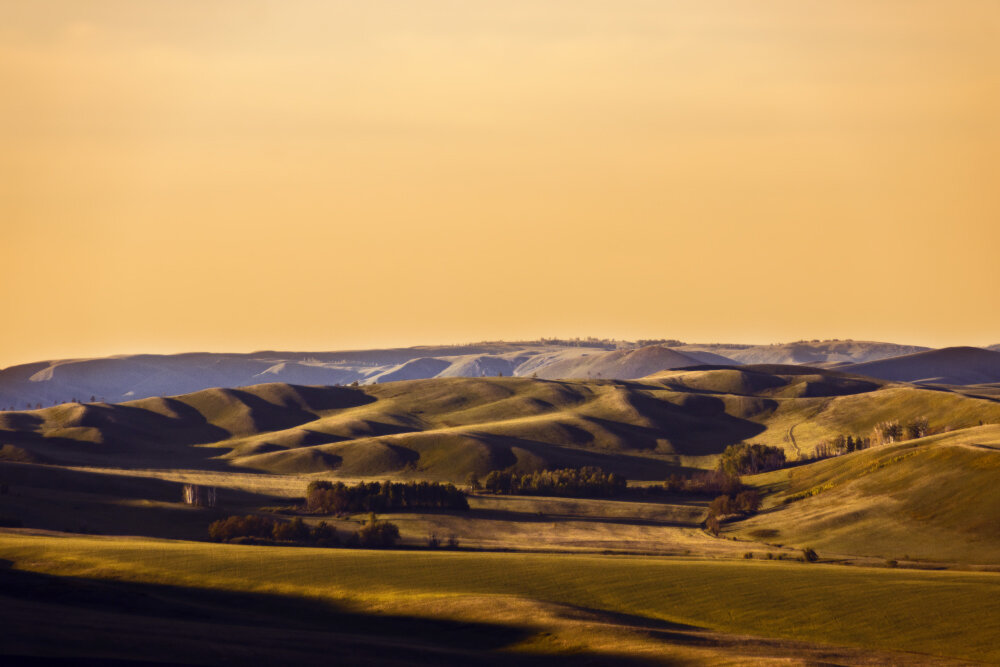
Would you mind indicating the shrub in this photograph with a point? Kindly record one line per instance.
(377, 534)
(224, 530)
(749, 459)
(324, 535)
(747, 501)
(809, 555)
(292, 531)
(709, 483)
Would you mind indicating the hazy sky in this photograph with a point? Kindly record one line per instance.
(215, 175)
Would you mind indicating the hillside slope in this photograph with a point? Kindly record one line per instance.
(618, 364)
(129, 377)
(447, 427)
(935, 498)
(808, 352)
(952, 365)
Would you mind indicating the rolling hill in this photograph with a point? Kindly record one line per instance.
(807, 352)
(617, 364)
(935, 498)
(952, 365)
(124, 378)
(445, 428)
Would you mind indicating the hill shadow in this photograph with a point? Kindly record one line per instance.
(561, 456)
(70, 619)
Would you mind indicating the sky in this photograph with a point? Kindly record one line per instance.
(316, 175)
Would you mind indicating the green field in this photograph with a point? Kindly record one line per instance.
(952, 614)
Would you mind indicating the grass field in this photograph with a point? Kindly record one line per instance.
(931, 499)
(949, 614)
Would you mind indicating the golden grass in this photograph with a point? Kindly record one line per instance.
(935, 498)
(954, 614)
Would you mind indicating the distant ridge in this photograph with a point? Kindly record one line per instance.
(815, 352)
(950, 365)
(130, 377)
(619, 364)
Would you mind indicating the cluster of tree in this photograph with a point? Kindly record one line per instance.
(743, 503)
(435, 542)
(746, 458)
(841, 444)
(377, 534)
(337, 498)
(587, 482)
(255, 529)
(883, 433)
(708, 483)
(668, 342)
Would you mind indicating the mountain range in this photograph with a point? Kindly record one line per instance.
(131, 377)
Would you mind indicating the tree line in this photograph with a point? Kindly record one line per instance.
(743, 504)
(883, 433)
(587, 482)
(255, 529)
(324, 497)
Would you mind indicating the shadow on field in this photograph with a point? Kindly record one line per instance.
(549, 517)
(50, 620)
(54, 498)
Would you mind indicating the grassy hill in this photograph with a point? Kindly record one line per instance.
(933, 498)
(447, 427)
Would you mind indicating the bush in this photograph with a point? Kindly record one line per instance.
(749, 459)
(747, 501)
(709, 483)
(292, 531)
(324, 535)
(224, 530)
(377, 534)
(809, 555)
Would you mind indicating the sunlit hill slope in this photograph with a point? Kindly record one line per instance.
(445, 428)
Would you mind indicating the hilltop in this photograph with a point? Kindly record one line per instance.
(933, 498)
(952, 365)
(447, 427)
(129, 377)
(809, 353)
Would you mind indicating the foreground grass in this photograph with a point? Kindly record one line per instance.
(953, 614)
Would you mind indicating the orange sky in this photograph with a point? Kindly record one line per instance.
(239, 175)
